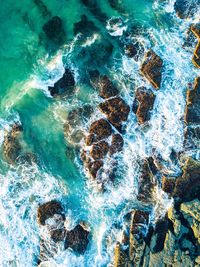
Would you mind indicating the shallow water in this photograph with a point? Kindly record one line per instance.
(29, 66)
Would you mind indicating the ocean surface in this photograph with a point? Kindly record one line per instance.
(29, 65)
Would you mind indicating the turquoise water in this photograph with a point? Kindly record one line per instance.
(28, 66)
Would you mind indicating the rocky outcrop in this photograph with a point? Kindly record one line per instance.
(11, 145)
(186, 8)
(117, 144)
(191, 137)
(105, 87)
(65, 86)
(192, 113)
(152, 68)
(143, 104)
(195, 29)
(54, 31)
(116, 111)
(50, 216)
(77, 239)
(134, 50)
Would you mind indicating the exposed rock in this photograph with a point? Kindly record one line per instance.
(168, 184)
(159, 235)
(187, 187)
(116, 110)
(103, 85)
(94, 167)
(99, 150)
(117, 144)
(64, 86)
(134, 50)
(195, 28)
(98, 131)
(196, 57)
(84, 26)
(11, 144)
(152, 68)
(77, 239)
(146, 183)
(143, 104)
(48, 210)
(120, 257)
(54, 30)
(192, 113)
(190, 40)
(186, 8)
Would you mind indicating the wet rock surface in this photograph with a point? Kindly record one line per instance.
(134, 50)
(152, 68)
(143, 104)
(192, 113)
(116, 110)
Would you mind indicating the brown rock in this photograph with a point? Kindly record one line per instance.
(168, 184)
(116, 144)
(120, 257)
(143, 104)
(192, 113)
(196, 57)
(187, 187)
(94, 167)
(116, 111)
(134, 50)
(99, 130)
(48, 210)
(99, 150)
(192, 137)
(195, 28)
(103, 85)
(11, 144)
(152, 68)
(77, 239)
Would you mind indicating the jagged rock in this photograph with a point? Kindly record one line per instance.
(64, 86)
(196, 57)
(54, 30)
(84, 26)
(146, 183)
(192, 113)
(99, 150)
(159, 235)
(77, 239)
(120, 257)
(11, 144)
(186, 8)
(152, 68)
(134, 50)
(98, 131)
(168, 184)
(187, 187)
(117, 144)
(48, 210)
(94, 167)
(195, 28)
(116, 110)
(190, 40)
(104, 86)
(143, 104)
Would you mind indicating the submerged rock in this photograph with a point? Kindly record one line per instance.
(186, 8)
(104, 86)
(116, 110)
(48, 210)
(192, 113)
(11, 144)
(134, 50)
(54, 30)
(64, 86)
(77, 239)
(98, 131)
(152, 68)
(84, 26)
(143, 104)
(117, 144)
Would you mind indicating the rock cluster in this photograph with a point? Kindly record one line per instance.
(152, 68)
(104, 138)
(51, 216)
